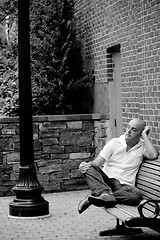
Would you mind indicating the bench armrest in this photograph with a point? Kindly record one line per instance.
(156, 208)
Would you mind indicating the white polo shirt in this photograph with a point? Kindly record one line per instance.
(121, 164)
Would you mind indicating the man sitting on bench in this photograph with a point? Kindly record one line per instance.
(111, 176)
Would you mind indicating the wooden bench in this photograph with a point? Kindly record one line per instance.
(147, 214)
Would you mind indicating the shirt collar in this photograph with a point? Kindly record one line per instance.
(122, 140)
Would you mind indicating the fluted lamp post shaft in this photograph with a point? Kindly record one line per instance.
(28, 201)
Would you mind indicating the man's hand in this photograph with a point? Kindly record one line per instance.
(151, 151)
(83, 167)
(146, 131)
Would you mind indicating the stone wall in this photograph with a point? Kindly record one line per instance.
(61, 143)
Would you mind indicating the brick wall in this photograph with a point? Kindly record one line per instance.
(135, 27)
(61, 143)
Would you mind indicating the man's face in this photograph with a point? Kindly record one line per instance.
(133, 131)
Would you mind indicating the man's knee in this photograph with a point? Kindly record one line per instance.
(93, 168)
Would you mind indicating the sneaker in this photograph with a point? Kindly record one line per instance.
(83, 205)
(104, 200)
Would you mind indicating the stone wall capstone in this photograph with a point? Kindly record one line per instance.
(61, 143)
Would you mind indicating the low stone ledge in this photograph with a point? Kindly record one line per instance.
(70, 117)
(61, 143)
(50, 118)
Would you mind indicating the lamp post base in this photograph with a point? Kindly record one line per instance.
(28, 201)
(28, 208)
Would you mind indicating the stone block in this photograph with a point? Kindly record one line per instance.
(69, 182)
(50, 168)
(15, 167)
(75, 174)
(53, 149)
(14, 176)
(16, 139)
(54, 161)
(74, 125)
(4, 178)
(37, 145)
(40, 155)
(49, 141)
(9, 129)
(5, 190)
(70, 164)
(87, 149)
(96, 124)
(6, 144)
(59, 156)
(45, 133)
(41, 163)
(55, 124)
(43, 177)
(1, 158)
(103, 133)
(71, 149)
(35, 136)
(13, 157)
(76, 138)
(79, 155)
(88, 126)
(35, 128)
(53, 186)
(16, 147)
(64, 174)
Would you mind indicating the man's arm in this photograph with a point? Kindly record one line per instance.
(99, 161)
(151, 151)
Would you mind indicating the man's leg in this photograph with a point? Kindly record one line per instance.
(98, 181)
(128, 195)
(100, 186)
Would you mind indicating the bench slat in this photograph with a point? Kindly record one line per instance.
(150, 174)
(147, 195)
(131, 210)
(150, 166)
(150, 193)
(117, 213)
(152, 183)
(124, 212)
(149, 186)
(155, 162)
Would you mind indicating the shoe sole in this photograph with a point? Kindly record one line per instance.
(101, 202)
(81, 208)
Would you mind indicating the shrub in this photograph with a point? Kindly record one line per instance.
(59, 82)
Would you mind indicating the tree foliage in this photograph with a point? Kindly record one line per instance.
(58, 80)
(8, 61)
(8, 82)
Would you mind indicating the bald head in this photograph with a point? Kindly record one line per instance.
(138, 123)
(134, 131)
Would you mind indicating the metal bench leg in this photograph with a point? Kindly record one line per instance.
(121, 229)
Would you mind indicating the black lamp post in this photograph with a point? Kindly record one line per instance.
(28, 201)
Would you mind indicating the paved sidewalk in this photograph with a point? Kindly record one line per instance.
(65, 223)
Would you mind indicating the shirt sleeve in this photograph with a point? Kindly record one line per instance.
(107, 150)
